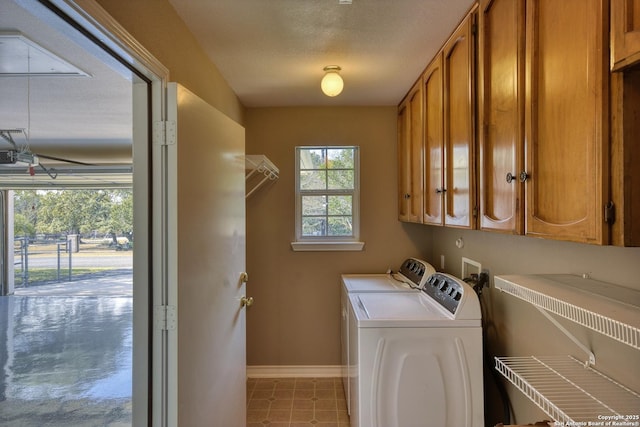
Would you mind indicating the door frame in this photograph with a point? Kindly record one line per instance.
(152, 365)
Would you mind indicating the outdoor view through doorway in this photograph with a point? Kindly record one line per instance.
(70, 322)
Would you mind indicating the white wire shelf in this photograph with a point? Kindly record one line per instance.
(260, 171)
(569, 392)
(575, 298)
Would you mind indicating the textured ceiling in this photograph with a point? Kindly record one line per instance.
(272, 52)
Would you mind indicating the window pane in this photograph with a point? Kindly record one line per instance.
(313, 180)
(312, 158)
(340, 179)
(340, 205)
(340, 158)
(314, 226)
(340, 226)
(314, 205)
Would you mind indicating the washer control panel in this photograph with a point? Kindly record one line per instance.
(446, 290)
(417, 271)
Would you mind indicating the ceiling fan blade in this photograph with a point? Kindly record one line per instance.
(60, 159)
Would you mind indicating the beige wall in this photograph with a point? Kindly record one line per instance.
(157, 26)
(296, 316)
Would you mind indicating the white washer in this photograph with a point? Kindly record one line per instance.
(411, 277)
(416, 358)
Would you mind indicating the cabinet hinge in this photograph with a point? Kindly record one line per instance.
(164, 133)
(164, 317)
(610, 213)
(475, 211)
(474, 28)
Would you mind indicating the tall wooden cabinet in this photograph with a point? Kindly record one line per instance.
(625, 33)
(410, 156)
(501, 93)
(562, 82)
(566, 120)
(459, 193)
(447, 138)
(433, 143)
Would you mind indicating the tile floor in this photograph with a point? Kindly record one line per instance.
(296, 402)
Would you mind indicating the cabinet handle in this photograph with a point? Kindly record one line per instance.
(511, 177)
(524, 176)
(441, 190)
(246, 302)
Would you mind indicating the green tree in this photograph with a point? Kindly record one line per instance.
(25, 207)
(22, 227)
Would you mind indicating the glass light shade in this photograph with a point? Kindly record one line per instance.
(332, 83)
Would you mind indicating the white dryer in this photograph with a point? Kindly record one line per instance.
(416, 357)
(411, 277)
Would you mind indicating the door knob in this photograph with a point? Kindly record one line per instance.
(244, 277)
(246, 302)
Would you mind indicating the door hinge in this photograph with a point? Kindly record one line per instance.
(164, 133)
(164, 317)
(610, 213)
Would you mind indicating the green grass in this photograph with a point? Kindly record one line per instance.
(50, 274)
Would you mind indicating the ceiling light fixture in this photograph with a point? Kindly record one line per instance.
(332, 83)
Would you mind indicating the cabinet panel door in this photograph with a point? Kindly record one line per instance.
(565, 119)
(625, 19)
(403, 162)
(501, 114)
(458, 128)
(433, 142)
(416, 156)
(410, 156)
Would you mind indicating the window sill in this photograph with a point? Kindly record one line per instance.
(326, 246)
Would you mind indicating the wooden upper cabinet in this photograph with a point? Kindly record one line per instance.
(433, 143)
(566, 120)
(501, 114)
(410, 156)
(404, 167)
(459, 131)
(625, 32)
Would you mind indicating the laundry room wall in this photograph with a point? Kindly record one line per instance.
(518, 329)
(156, 25)
(295, 319)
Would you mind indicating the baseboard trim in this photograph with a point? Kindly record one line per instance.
(293, 371)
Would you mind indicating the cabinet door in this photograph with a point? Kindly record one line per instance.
(433, 143)
(501, 114)
(410, 155)
(458, 127)
(625, 31)
(404, 167)
(565, 119)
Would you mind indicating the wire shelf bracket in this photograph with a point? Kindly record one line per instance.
(260, 170)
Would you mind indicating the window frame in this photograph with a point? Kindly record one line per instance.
(328, 243)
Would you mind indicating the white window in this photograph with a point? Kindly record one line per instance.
(327, 198)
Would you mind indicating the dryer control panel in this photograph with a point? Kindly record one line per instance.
(417, 271)
(446, 290)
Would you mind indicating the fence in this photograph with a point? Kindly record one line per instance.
(54, 260)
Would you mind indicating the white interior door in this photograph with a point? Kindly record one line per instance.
(209, 251)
